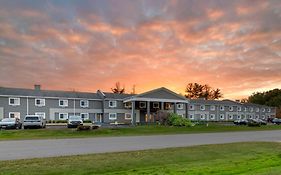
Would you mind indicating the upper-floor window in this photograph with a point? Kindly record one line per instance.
(14, 101)
(112, 103)
(221, 108)
(63, 103)
(251, 109)
(263, 109)
(155, 105)
(63, 116)
(39, 102)
(239, 108)
(84, 103)
(212, 107)
(142, 104)
(191, 107)
(128, 105)
(202, 107)
(230, 108)
(257, 109)
(180, 106)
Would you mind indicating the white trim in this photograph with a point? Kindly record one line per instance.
(114, 118)
(86, 102)
(230, 116)
(64, 101)
(41, 100)
(23, 96)
(142, 106)
(85, 118)
(128, 118)
(191, 116)
(231, 108)
(128, 104)
(15, 114)
(114, 103)
(180, 106)
(157, 105)
(42, 114)
(212, 108)
(155, 100)
(221, 116)
(212, 116)
(239, 108)
(64, 118)
(202, 107)
(16, 101)
(221, 108)
(202, 117)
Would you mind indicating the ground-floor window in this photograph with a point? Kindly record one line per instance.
(191, 116)
(63, 116)
(238, 117)
(230, 117)
(212, 116)
(112, 116)
(221, 116)
(14, 115)
(84, 116)
(41, 114)
(128, 116)
(202, 116)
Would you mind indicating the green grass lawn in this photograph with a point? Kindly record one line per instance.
(139, 130)
(256, 158)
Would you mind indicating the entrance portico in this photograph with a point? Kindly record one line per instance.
(149, 103)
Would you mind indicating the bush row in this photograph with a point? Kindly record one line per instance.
(65, 121)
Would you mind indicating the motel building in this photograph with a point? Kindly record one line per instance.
(104, 107)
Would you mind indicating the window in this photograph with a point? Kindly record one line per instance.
(191, 116)
(63, 116)
(202, 107)
(213, 108)
(84, 103)
(63, 103)
(168, 106)
(84, 116)
(128, 105)
(191, 107)
(41, 114)
(250, 116)
(212, 116)
(202, 116)
(238, 117)
(14, 101)
(239, 108)
(155, 105)
(14, 115)
(180, 106)
(257, 109)
(142, 104)
(230, 116)
(128, 116)
(263, 116)
(39, 102)
(263, 109)
(222, 116)
(268, 110)
(245, 109)
(112, 116)
(112, 104)
(221, 108)
(230, 108)
(251, 109)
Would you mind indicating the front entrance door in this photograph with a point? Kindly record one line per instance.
(98, 118)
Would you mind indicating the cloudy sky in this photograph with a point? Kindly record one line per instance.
(89, 45)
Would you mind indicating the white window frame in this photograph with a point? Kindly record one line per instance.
(231, 108)
(239, 108)
(268, 110)
(221, 108)
(87, 114)
(191, 107)
(41, 114)
(126, 116)
(64, 118)
(222, 117)
(202, 107)
(142, 106)
(263, 109)
(212, 116)
(42, 102)
(155, 105)
(250, 116)
(112, 103)
(15, 114)
(86, 103)
(251, 109)
(230, 116)
(180, 106)
(263, 116)
(191, 116)
(114, 118)
(16, 99)
(128, 106)
(202, 117)
(238, 116)
(212, 108)
(257, 109)
(64, 101)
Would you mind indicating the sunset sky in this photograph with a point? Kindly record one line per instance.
(90, 45)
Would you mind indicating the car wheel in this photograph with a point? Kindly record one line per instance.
(24, 127)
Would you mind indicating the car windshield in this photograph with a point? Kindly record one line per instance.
(32, 118)
(74, 117)
(8, 120)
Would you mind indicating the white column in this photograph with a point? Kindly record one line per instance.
(27, 106)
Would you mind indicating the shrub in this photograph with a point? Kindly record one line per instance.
(83, 128)
(87, 121)
(176, 120)
(60, 121)
(95, 127)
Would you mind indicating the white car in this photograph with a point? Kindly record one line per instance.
(74, 121)
(34, 121)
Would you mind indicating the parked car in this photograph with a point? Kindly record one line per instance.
(74, 121)
(32, 121)
(254, 122)
(10, 123)
(276, 121)
(241, 122)
(262, 122)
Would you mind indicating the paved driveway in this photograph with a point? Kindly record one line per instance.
(23, 149)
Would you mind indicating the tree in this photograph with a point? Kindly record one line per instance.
(117, 89)
(196, 90)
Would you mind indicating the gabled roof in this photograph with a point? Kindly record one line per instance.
(116, 96)
(47, 93)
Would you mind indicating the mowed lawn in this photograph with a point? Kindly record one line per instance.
(256, 158)
(127, 131)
